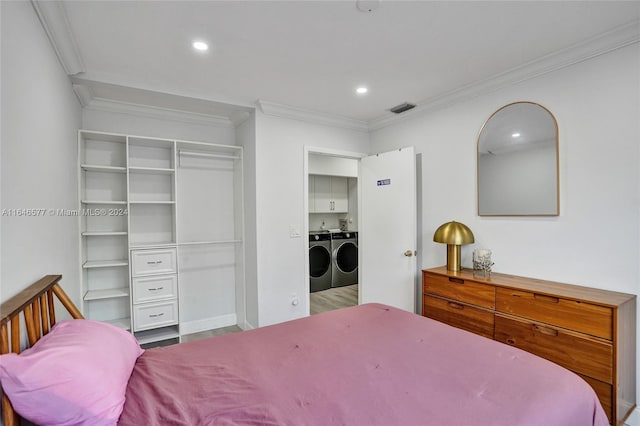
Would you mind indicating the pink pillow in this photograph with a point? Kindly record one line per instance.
(77, 374)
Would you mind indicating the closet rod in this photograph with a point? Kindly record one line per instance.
(204, 154)
(198, 243)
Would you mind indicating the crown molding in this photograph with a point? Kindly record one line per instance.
(83, 93)
(615, 39)
(53, 18)
(91, 103)
(310, 116)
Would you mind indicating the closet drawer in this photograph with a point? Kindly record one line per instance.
(563, 347)
(151, 262)
(460, 289)
(459, 315)
(153, 315)
(585, 317)
(148, 289)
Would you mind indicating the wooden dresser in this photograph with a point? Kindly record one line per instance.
(589, 331)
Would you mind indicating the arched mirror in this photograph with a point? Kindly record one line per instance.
(518, 162)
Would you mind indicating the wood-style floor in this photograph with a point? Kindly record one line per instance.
(209, 333)
(321, 301)
(334, 298)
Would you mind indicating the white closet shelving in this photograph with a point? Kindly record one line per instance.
(171, 262)
(104, 227)
(152, 195)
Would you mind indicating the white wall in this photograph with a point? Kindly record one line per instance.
(595, 240)
(280, 193)
(332, 166)
(40, 118)
(133, 124)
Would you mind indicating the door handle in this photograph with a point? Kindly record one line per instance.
(408, 253)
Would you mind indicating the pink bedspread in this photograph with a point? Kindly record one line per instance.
(367, 365)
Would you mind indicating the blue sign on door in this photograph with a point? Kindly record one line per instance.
(384, 182)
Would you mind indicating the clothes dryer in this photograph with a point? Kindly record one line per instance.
(344, 264)
(319, 261)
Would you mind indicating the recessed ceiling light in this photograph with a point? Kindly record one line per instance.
(361, 90)
(200, 45)
(515, 135)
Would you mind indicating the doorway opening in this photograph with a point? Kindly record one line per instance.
(331, 226)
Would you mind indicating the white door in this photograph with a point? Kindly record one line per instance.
(387, 237)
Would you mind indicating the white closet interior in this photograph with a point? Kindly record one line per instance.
(161, 235)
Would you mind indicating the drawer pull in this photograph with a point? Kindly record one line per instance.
(157, 262)
(544, 298)
(456, 280)
(511, 341)
(156, 315)
(455, 305)
(155, 289)
(545, 330)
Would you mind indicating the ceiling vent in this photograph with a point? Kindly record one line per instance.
(402, 108)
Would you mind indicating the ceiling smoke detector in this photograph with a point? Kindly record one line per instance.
(402, 107)
(367, 5)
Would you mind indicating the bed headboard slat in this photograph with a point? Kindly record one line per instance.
(52, 311)
(4, 339)
(44, 314)
(9, 417)
(36, 303)
(15, 334)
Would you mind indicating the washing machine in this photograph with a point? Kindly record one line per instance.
(319, 261)
(344, 258)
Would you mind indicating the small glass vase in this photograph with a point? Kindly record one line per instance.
(482, 264)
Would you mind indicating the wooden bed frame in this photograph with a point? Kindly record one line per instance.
(36, 303)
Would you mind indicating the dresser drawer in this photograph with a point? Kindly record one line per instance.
(151, 262)
(459, 315)
(579, 353)
(153, 315)
(604, 392)
(160, 287)
(591, 319)
(459, 289)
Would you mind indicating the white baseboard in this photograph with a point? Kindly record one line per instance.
(189, 327)
(246, 325)
(634, 418)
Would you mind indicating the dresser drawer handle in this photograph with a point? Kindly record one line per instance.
(455, 305)
(156, 315)
(511, 341)
(544, 298)
(545, 330)
(155, 289)
(456, 280)
(157, 262)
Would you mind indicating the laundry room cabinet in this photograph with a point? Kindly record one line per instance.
(161, 233)
(328, 194)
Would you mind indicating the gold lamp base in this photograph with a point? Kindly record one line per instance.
(453, 234)
(453, 257)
